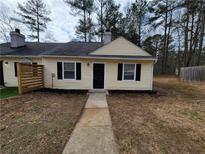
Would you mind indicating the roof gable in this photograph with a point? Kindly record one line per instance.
(120, 46)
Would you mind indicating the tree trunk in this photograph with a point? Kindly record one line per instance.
(193, 41)
(186, 35)
(165, 38)
(190, 42)
(139, 30)
(201, 37)
(84, 20)
(37, 15)
(167, 44)
(101, 20)
(90, 29)
(179, 52)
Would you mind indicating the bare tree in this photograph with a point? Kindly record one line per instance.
(5, 23)
(202, 32)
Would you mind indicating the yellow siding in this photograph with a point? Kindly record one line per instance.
(120, 46)
(50, 65)
(144, 84)
(86, 81)
(9, 72)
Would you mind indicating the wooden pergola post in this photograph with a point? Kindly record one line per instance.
(19, 78)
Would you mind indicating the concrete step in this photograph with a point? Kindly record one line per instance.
(98, 91)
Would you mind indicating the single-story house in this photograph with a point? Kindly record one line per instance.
(111, 65)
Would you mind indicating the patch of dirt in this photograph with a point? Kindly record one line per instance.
(171, 121)
(39, 122)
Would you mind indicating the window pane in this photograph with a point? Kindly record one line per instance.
(128, 76)
(69, 75)
(129, 70)
(69, 66)
(129, 67)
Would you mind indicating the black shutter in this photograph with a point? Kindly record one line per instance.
(119, 74)
(15, 68)
(78, 71)
(138, 72)
(59, 70)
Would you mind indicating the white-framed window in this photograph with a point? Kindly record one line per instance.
(129, 71)
(69, 70)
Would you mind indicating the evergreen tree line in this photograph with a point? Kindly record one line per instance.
(171, 30)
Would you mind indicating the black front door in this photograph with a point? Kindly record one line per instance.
(98, 76)
(1, 74)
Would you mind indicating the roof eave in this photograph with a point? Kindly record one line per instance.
(81, 57)
(19, 56)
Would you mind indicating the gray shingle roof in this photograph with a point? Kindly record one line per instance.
(31, 48)
(74, 49)
(82, 49)
(60, 49)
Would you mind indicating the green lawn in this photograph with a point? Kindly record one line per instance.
(8, 92)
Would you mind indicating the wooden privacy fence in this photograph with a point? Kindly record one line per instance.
(195, 73)
(30, 77)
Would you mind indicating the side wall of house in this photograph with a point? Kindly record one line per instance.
(10, 80)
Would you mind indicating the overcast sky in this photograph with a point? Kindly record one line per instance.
(63, 23)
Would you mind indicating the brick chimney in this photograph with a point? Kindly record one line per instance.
(17, 39)
(107, 37)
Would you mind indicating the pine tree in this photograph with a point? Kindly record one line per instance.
(162, 15)
(112, 17)
(34, 15)
(137, 14)
(100, 16)
(89, 29)
(84, 8)
(134, 21)
(153, 44)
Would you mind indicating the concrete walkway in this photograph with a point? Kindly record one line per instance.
(93, 133)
